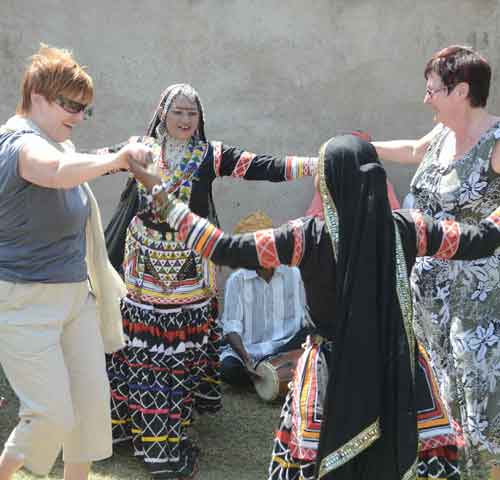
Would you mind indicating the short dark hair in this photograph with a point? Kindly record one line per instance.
(457, 63)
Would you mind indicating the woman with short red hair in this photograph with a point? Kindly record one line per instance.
(53, 333)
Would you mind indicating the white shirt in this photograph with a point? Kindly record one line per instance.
(265, 315)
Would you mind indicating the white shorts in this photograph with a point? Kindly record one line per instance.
(52, 353)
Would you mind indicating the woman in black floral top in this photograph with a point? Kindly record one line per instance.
(457, 304)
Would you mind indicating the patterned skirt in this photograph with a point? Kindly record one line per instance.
(439, 435)
(297, 438)
(169, 366)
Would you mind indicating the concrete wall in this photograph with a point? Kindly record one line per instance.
(274, 76)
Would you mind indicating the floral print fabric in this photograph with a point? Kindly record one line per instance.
(457, 303)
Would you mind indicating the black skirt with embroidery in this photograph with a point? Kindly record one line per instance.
(168, 368)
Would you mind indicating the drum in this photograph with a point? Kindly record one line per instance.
(275, 374)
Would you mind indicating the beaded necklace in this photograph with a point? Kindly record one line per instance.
(179, 162)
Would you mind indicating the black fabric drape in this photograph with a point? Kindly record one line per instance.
(370, 375)
(116, 229)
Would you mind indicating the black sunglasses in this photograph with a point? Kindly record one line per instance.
(71, 106)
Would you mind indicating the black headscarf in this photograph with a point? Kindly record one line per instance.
(164, 106)
(116, 230)
(369, 426)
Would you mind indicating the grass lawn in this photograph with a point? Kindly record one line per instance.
(235, 443)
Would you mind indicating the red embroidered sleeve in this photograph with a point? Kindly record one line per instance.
(451, 239)
(298, 241)
(217, 157)
(242, 165)
(265, 243)
(421, 231)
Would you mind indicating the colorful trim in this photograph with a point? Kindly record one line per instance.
(185, 226)
(169, 365)
(298, 241)
(197, 233)
(437, 415)
(348, 451)
(438, 441)
(267, 253)
(243, 164)
(329, 208)
(435, 428)
(171, 298)
(173, 210)
(180, 179)
(164, 270)
(421, 232)
(411, 473)
(450, 241)
(283, 465)
(309, 387)
(217, 146)
(101, 151)
(403, 290)
(296, 167)
(205, 238)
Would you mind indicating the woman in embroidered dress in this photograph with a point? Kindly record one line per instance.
(457, 304)
(171, 364)
(355, 381)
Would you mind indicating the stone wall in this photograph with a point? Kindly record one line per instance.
(274, 76)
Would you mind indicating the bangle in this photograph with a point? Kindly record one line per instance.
(150, 197)
(156, 190)
(160, 200)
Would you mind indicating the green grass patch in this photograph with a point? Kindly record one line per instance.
(235, 443)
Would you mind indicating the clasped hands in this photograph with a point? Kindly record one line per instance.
(140, 164)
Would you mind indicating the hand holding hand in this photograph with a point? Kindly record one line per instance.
(142, 154)
(144, 174)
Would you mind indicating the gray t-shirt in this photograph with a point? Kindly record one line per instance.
(42, 230)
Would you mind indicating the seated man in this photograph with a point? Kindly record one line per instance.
(264, 313)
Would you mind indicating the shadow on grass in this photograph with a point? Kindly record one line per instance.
(235, 443)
